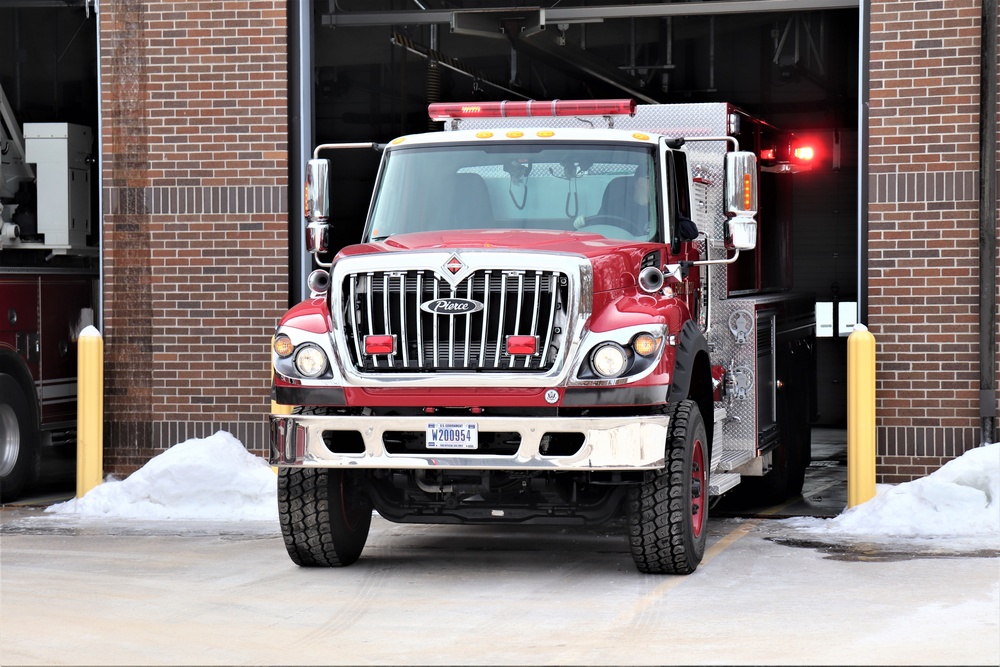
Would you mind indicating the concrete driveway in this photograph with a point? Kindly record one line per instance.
(86, 592)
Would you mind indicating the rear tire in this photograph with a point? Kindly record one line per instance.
(794, 453)
(18, 440)
(325, 516)
(668, 511)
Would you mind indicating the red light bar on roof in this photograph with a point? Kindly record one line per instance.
(530, 109)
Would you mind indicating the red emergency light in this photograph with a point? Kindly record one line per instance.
(790, 156)
(380, 345)
(803, 153)
(530, 109)
(521, 345)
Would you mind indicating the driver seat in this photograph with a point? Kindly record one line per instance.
(619, 202)
(469, 206)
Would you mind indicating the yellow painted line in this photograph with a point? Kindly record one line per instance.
(673, 581)
(727, 541)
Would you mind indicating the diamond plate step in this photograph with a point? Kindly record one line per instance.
(720, 482)
(720, 414)
(733, 458)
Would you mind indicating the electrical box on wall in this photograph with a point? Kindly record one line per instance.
(836, 319)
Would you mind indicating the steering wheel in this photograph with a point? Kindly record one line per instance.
(613, 220)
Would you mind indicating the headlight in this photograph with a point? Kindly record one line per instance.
(608, 360)
(310, 361)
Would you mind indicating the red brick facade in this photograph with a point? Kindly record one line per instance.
(194, 101)
(923, 236)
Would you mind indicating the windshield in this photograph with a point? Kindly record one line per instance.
(600, 189)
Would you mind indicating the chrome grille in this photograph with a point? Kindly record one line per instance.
(514, 303)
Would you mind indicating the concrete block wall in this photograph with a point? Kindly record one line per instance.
(923, 269)
(195, 219)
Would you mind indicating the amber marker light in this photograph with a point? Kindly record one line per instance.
(747, 192)
(483, 135)
(515, 134)
(283, 346)
(645, 345)
(545, 133)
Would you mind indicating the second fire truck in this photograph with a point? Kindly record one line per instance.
(48, 292)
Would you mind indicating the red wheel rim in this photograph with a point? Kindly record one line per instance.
(699, 488)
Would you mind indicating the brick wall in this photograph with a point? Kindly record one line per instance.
(923, 231)
(195, 164)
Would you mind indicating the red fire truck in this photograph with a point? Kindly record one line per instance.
(559, 312)
(48, 287)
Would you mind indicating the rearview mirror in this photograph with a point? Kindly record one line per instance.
(317, 206)
(740, 200)
(317, 194)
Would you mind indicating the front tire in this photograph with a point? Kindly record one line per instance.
(668, 511)
(325, 516)
(18, 440)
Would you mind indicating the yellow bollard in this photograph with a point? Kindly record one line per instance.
(89, 410)
(860, 416)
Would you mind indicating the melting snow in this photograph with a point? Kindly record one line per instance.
(960, 500)
(217, 479)
(212, 478)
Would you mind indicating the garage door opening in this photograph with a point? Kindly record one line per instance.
(374, 67)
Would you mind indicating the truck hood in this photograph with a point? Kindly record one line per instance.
(616, 263)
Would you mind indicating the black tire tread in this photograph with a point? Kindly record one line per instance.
(658, 510)
(307, 525)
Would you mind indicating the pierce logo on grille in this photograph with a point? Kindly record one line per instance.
(454, 265)
(451, 306)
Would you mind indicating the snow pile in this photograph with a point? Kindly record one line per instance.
(217, 479)
(212, 478)
(960, 500)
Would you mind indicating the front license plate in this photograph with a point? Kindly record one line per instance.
(452, 435)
